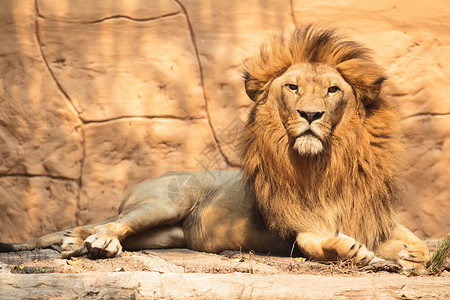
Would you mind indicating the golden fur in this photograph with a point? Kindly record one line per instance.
(354, 179)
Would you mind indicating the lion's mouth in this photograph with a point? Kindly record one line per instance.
(308, 143)
(309, 133)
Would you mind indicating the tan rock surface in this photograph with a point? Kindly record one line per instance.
(114, 68)
(26, 203)
(40, 135)
(151, 285)
(427, 204)
(181, 273)
(102, 94)
(40, 132)
(87, 11)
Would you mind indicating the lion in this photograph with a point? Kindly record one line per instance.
(320, 156)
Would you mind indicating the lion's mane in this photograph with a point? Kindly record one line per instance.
(352, 186)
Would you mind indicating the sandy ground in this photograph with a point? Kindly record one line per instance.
(182, 273)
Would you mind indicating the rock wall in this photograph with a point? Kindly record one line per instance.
(96, 96)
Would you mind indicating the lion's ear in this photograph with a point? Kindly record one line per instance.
(364, 76)
(253, 87)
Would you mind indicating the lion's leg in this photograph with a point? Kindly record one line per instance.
(323, 248)
(105, 240)
(156, 238)
(405, 248)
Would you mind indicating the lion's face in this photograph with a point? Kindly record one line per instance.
(311, 100)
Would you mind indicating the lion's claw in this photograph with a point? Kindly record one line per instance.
(348, 248)
(73, 243)
(414, 258)
(99, 245)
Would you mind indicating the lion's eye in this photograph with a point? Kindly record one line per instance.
(333, 89)
(292, 87)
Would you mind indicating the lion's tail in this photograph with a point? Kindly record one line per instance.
(45, 241)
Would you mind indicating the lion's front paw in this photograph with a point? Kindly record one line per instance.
(101, 245)
(414, 257)
(73, 242)
(348, 248)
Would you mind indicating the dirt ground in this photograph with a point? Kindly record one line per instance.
(182, 273)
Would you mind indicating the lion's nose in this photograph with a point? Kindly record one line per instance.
(311, 116)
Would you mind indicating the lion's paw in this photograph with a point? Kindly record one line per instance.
(348, 248)
(414, 257)
(101, 245)
(73, 242)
